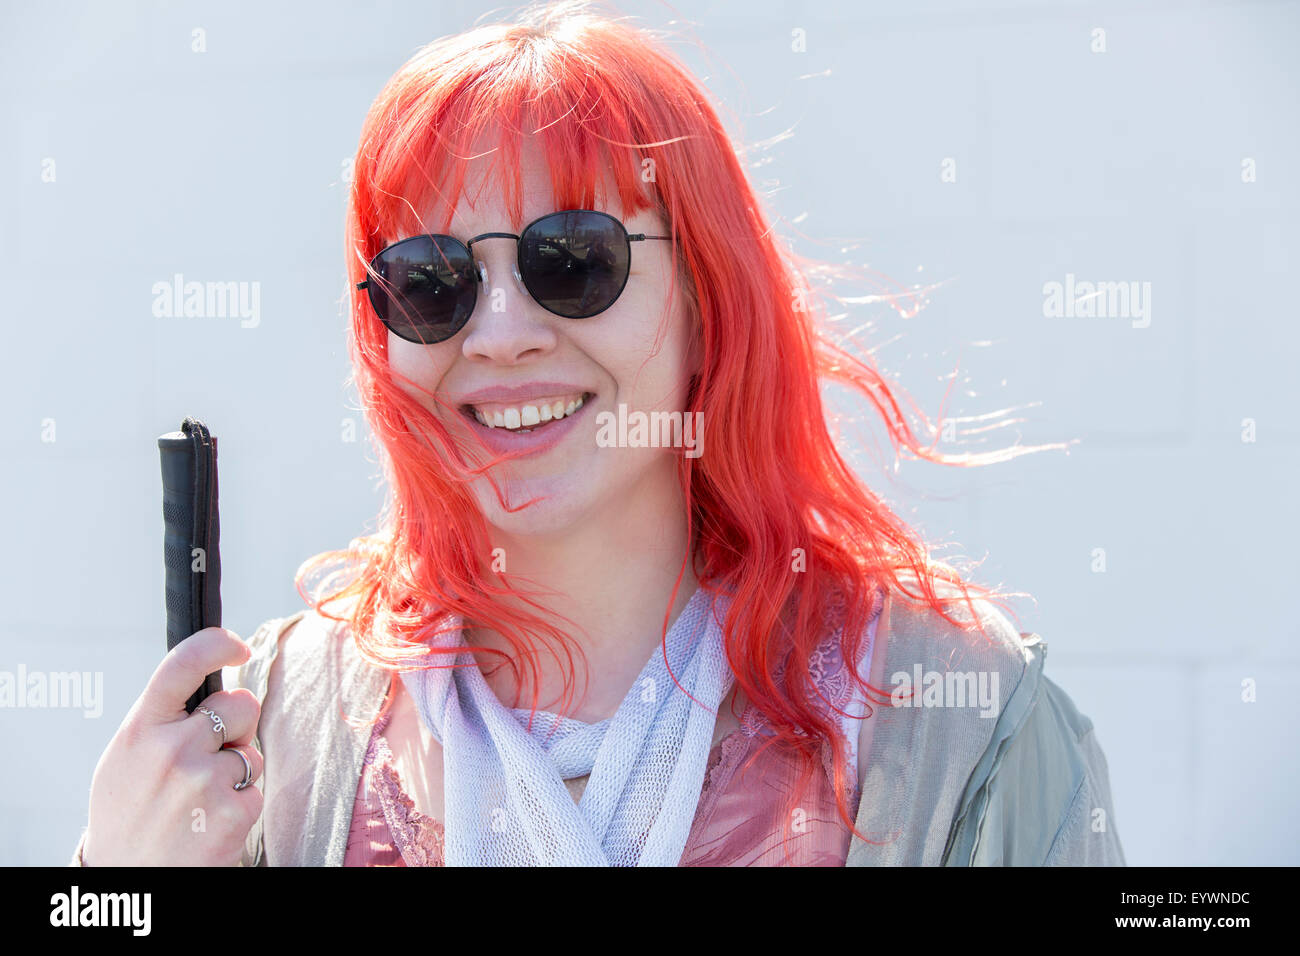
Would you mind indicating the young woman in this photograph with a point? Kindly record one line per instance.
(628, 604)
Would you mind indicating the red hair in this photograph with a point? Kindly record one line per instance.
(601, 93)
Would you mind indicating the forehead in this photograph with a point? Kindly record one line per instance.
(484, 200)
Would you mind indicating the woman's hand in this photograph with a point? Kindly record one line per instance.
(164, 792)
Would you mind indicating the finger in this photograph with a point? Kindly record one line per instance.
(247, 715)
(226, 717)
(184, 668)
(255, 763)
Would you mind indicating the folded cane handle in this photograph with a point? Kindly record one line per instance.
(191, 538)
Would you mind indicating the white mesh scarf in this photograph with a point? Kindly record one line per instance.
(505, 799)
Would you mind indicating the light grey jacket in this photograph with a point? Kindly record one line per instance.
(1026, 785)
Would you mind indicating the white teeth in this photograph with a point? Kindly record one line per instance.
(525, 417)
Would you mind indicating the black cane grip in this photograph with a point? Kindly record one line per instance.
(191, 538)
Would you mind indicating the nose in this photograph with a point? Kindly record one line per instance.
(507, 326)
(482, 269)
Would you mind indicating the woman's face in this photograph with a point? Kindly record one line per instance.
(516, 358)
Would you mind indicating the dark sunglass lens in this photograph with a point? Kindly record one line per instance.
(575, 263)
(426, 292)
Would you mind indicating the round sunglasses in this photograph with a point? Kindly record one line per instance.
(574, 263)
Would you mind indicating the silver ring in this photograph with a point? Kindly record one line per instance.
(248, 768)
(218, 725)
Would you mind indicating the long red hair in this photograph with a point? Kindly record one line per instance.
(778, 518)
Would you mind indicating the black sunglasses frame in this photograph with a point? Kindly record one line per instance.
(373, 289)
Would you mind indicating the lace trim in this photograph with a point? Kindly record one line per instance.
(726, 752)
(834, 679)
(828, 671)
(419, 837)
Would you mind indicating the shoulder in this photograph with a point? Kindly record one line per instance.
(949, 685)
(977, 737)
(264, 644)
(268, 644)
(303, 650)
(948, 678)
(1041, 794)
(305, 672)
(967, 670)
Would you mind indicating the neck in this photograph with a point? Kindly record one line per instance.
(613, 577)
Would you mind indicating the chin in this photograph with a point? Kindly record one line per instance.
(563, 502)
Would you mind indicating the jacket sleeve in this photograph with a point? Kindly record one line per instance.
(1088, 837)
(1045, 798)
(255, 674)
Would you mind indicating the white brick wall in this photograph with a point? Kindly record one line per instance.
(1123, 165)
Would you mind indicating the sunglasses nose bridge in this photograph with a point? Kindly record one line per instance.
(481, 266)
(481, 272)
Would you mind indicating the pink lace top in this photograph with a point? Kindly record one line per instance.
(740, 819)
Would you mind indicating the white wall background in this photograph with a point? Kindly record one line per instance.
(1117, 165)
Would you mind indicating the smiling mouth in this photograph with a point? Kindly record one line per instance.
(524, 417)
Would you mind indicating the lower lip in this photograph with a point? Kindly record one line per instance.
(535, 442)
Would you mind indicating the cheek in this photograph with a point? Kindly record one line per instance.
(424, 365)
(645, 349)
(670, 369)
